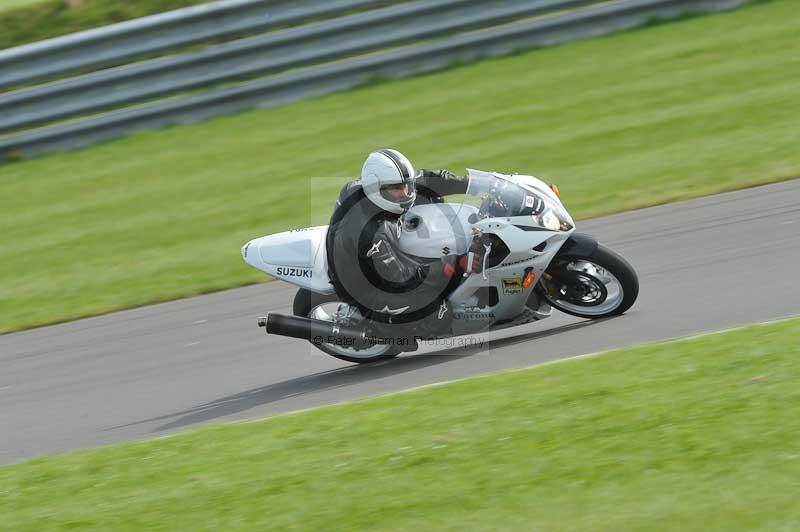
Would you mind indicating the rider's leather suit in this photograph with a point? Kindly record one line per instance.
(367, 267)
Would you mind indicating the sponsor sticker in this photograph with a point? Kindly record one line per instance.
(511, 285)
(473, 315)
(295, 272)
(530, 201)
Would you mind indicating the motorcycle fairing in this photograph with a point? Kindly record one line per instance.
(297, 257)
(433, 231)
(436, 230)
(511, 302)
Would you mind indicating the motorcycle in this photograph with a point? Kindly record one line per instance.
(524, 258)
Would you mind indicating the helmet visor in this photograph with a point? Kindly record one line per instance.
(401, 193)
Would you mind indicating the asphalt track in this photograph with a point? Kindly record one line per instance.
(704, 265)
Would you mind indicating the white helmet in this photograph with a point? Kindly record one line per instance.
(382, 177)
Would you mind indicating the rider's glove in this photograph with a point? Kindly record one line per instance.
(447, 174)
(441, 182)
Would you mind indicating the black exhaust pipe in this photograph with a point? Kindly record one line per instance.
(326, 332)
(316, 331)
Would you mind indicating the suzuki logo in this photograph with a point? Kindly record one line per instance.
(295, 272)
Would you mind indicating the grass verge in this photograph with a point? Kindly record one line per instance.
(629, 120)
(691, 434)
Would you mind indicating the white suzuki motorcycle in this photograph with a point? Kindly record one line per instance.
(531, 260)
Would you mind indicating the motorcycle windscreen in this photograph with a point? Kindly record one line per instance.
(493, 195)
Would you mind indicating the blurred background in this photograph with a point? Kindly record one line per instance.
(138, 154)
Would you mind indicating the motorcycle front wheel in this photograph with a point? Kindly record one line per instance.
(599, 285)
(329, 308)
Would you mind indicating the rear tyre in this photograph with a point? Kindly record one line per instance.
(599, 285)
(327, 308)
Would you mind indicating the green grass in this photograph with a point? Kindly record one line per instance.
(10, 4)
(635, 119)
(697, 434)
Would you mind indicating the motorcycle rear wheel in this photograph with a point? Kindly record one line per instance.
(599, 285)
(324, 307)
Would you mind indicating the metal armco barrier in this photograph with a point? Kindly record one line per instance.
(122, 42)
(310, 60)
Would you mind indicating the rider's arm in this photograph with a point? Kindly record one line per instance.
(390, 263)
(436, 183)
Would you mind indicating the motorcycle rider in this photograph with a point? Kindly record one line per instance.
(365, 264)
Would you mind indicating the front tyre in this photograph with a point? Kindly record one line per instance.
(595, 286)
(330, 308)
